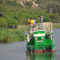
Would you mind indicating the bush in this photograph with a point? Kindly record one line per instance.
(29, 4)
(12, 35)
(12, 23)
(3, 22)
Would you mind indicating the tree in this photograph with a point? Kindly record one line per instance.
(3, 22)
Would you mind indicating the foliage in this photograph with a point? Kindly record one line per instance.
(3, 22)
(38, 1)
(29, 4)
(14, 14)
(11, 35)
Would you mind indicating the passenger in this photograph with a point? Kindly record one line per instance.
(41, 19)
(41, 22)
(31, 23)
(34, 22)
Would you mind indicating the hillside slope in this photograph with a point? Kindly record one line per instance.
(17, 12)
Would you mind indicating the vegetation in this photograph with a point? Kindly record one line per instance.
(12, 35)
(14, 14)
(56, 25)
(28, 4)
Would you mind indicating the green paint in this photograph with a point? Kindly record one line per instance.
(39, 32)
(41, 42)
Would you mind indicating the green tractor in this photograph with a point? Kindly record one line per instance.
(41, 38)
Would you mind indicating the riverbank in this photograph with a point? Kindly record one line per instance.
(17, 50)
(8, 35)
(56, 25)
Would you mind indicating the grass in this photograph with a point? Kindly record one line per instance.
(8, 35)
(56, 25)
(12, 35)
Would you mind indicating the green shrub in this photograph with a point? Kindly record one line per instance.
(29, 4)
(12, 23)
(3, 22)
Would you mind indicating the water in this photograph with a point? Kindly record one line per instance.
(13, 51)
(17, 50)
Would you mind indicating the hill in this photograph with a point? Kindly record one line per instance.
(17, 12)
